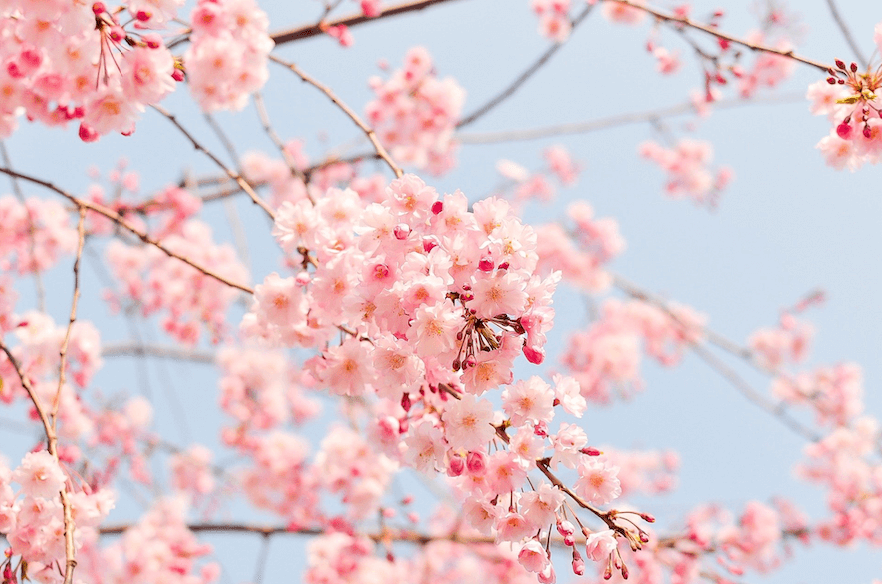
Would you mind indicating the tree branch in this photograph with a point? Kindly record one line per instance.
(119, 220)
(523, 77)
(243, 184)
(371, 135)
(311, 30)
(685, 21)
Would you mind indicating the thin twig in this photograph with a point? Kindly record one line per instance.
(311, 30)
(262, 113)
(840, 22)
(371, 135)
(685, 21)
(32, 241)
(523, 77)
(81, 243)
(243, 184)
(116, 218)
(52, 446)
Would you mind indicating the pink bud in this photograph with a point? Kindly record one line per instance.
(87, 134)
(589, 451)
(405, 402)
(178, 75)
(98, 8)
(476, 462)
(569, 540)
(533, 355)
(429, 245)
(455, 466)
(578, 563)
(868, 133)
(843, 130)
(486, 264)
(437, 207)
(143, 16)
(401, 231)
(565, 528)
(502, 266)
(540, 429)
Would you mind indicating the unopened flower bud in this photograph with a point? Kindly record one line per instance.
(569, 540)
(485, 264)
(455, 466)
(99, 8)
(853, 67)
(405, 402)
(840, 64)
(437, 207)
(590, 451)
(401, 231)
(143, 16)
(843, 130)
(578, 563)
(565, 528)
(476, 463)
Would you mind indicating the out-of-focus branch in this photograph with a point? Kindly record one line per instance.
(523, 77)
(262, 113)
(159, 351)
(16, 189)
(368, 131)
(846, 32)
(685, 21)
(119, 220)
(776, 409)
(614, 121)
(243, 184)
(311, 30)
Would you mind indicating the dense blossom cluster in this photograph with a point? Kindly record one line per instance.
(407, 309)
(415, 113)
(227, 57)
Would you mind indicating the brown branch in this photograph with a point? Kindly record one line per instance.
(119, 220)
(371, 135)
(523, 77)
(52, 446)
(840, 22)
(243, 184)
(311, 30)
(685, 21)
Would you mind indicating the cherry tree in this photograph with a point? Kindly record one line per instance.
(310, 308)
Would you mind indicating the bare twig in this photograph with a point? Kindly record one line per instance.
(371, 135)
(81, 242)
(311, 30)
(523, 77)
(685, 21)
(840, 22)
(243, 184)
(119, 220)
(262, 113)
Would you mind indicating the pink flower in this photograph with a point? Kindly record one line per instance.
(467, 423)
(533, 556)
(40, 475)
(600, 545)
(597, 482)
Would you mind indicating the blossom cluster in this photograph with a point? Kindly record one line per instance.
(606, 358)
(689, 175)
(188, 298)
(852, 103)
(415, 113)
(537, 185)
(227, 57)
